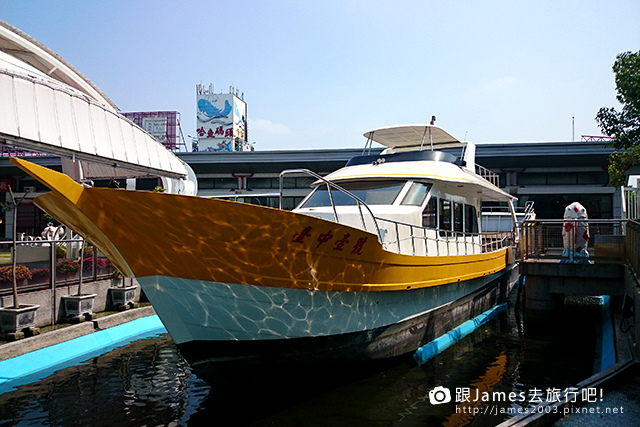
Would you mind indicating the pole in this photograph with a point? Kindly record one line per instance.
(14, 248)
(81, 268)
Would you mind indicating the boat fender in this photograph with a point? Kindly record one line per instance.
(440, 344)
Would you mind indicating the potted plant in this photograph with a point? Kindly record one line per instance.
(20, 319)
(77, 307)
(122, 296)
(16, 322)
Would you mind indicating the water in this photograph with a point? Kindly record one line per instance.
(147, 383)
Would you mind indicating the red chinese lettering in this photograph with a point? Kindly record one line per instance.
(340, 243)
(210, 133)
(219, 130)
(201, 131)
(357, 248)
(228, 133)
(299, 237)
(324, 237)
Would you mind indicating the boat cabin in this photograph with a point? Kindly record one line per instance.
(418, 200)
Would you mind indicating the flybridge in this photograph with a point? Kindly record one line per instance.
(413, 137)
(420, 139)
(47, 106)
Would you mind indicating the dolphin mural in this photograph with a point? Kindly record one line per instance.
(211, 111)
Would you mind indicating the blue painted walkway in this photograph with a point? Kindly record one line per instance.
(39, 364)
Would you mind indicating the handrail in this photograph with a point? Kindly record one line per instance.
(496, 241)
(543, 239)
(329, 185)
(489, 241)
(632, 246)
(487, 175)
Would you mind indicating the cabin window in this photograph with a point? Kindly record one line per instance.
(370, 192)
(444, 216)
(470, 219)
(429, 213)
(416, 194)
(457, 217)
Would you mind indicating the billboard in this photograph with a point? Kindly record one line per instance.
(162, 125)
(157, 127)
(221, 121)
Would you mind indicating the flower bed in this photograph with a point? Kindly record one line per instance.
(22, 272)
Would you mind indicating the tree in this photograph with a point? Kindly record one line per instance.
(624, 125)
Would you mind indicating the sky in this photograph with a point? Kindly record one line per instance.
(320, 74)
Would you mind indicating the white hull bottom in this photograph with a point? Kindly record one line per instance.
(222, 328)
(211, 311)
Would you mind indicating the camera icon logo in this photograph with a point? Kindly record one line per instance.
(439, 395)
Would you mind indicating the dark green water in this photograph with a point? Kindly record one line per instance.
(147, 383)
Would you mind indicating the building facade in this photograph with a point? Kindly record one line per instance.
(221, 121)
(551, 174)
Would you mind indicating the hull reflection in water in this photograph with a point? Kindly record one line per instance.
(148, 383)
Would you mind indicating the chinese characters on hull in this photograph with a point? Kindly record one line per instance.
(341, 243)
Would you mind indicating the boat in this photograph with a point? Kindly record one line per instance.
(382, 256)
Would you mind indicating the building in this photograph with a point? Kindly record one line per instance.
(164, 126)
(551, 174)
(221, 121)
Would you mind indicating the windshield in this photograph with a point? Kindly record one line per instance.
(370, 192)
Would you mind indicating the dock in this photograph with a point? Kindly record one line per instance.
(552, 271)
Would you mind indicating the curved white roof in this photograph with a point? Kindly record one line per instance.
(420, 170)
(48, 106)
(28, 50)
(412, 136)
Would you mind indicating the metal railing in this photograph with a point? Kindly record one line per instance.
(417, 240)
(488, 175)
(630, 203)
(412, 239)
(41, 264)
(330, 187)
(632, 246)
(544, 240)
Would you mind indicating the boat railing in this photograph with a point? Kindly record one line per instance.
(526, 212)
(412, 239)
(488, 175)
(330, 187)
(407, 238)
(563, 239)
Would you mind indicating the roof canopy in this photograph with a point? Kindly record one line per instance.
(48, 106)
(28, 50)
(412, 136)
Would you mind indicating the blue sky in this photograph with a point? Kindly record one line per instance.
(320, 74)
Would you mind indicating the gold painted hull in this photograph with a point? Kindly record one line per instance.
(157, 234)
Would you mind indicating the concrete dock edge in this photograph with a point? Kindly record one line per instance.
(27, 345)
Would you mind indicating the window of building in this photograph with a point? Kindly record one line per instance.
(225, 183)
